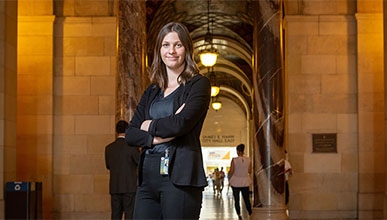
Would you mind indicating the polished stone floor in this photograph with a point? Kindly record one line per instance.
(220, 207)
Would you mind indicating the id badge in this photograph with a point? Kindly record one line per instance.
(164, 163)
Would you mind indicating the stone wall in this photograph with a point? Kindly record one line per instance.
(321, 87)
(334, 71)
(84, 109)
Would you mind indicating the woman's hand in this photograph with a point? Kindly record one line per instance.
(159, 140)
(156, 140)
(145, 125)
(180, 109)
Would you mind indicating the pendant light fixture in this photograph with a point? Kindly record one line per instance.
(216, 104)
(215, 88)
(209, 55)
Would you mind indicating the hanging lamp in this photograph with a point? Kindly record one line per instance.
(209, 55)
(216, 104)
(215, 88)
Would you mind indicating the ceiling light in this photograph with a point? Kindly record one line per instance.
(208, 58)
(215, 90)
(216, 105)
(209, 55)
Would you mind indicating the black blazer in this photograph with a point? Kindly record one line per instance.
(122, 161)
(186, 160)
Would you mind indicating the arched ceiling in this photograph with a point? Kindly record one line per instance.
(232, 30)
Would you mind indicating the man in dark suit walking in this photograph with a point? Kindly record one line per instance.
(122, 161)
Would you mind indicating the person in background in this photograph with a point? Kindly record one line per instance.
(122, 161)
(288, 172)
(222, 175)
(213, 178)
(216, 180)
(209, 180)
(167, 124)
(239, 176)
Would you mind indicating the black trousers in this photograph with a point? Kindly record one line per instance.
(159, 198)
(122, 203)
(246, 198)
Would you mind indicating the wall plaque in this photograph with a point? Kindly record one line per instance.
(218, 139)
(324, 143)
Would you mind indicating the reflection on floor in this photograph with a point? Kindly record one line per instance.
(220, 207)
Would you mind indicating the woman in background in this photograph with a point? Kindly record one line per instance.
(239, 176)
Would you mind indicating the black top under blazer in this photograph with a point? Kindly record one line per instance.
(186, 160)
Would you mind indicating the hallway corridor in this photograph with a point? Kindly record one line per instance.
(220, 207)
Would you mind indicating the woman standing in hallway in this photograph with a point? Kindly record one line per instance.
(239, 176)
(167, 125)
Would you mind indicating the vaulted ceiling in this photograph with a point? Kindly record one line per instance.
(231, 25)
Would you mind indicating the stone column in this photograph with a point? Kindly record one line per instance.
(385, 98)
(8, 96)
(370, 80)
(269, 202)
(131, 72)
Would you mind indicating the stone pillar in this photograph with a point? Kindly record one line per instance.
(35, 118)
(131, 67)
(385, 103)
(8, 98)
(269, 195)
(370, 69)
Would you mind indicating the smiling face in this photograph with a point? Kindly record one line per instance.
(173, 52)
